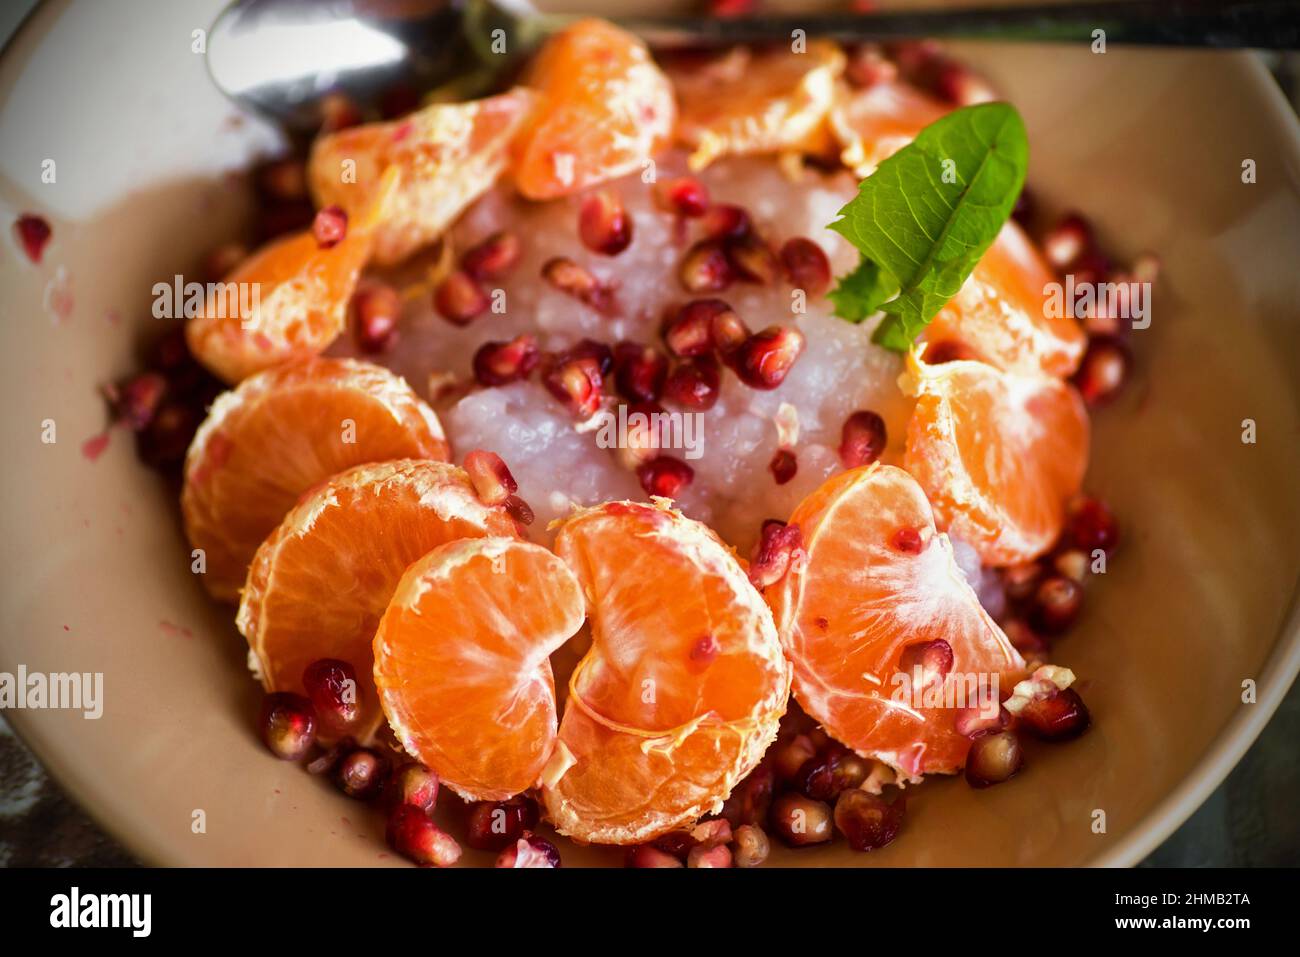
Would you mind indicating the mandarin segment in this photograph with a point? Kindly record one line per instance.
(280, 433)
(877, 582)
(462, 661)
(448, 154)
(319, 584)
(872, 125)
(999, 455)
(684, 684)
(605, 109)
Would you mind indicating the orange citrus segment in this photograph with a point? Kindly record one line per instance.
(280, 433)
(318, 586)
(874, 124)
(288, 300)
(684, 684)
(462, 661)
(998, 454)
(449, 154)
(1000, 314)
(605, 110)
(746, 102)
(863, 593)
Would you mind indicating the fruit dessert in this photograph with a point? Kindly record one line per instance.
(666, 452)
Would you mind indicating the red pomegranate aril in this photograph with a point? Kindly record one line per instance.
(331, 685)
(492, 481)
(136, 401)
(496, 825)
(947, 350)
(806, 265)
(867, 67)
(591, 349)
(779, 545)
(705, 268)
(862, 439)
(1056, 605)
(520, 510)
(718, 855)
(647, 855)
(1072, 563)
(413, 835)
(459, 299)
(766, 358)
(975, 720)
(694, 384)
(933, 658)
(164, 442)
(282, 179)
(908, 540)
(338, 112)
(288, 725)
(639, 372)
(993, 758)
(221, 261)
(784, 466)
(33, 233)
(361, 774)
(685, 195)
(957, 84)
(1021, 581)
(790, 756)
(530, 851)
(328, 759)
(751, 799)
(1023, 638)
(867, 821)
(499, 363)
(676, 843)
(665, 476)
(1090, 526)
(689, 331)
(712, 832)
(728, 332)
(725, 221)
(751, 846)
(830, 771)
(330, 226)
(568, 277)
(376, 311)
(493, 257)
(801, 821)
(1056, 717)
(604, 224)
(752, 259)
(1067, 241)
(577, 382)
(414, 785)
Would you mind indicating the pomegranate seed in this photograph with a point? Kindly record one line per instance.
(492, 481)
(1056, 717)
(330, 226)
(784, 465)
(1091, 526)
(1021, 581)
(976, 720)
(725, 222)
(570, 278)
(361, 773)
(32, 233)
(752, 259)
(993, 758)
(806, 265)
(288, 725)
(1067, 241)
(801, 821)
(1072, 563)
(136, 401)
(496, 825)
(766, 358)
(751, 799)
(688, 332)
(331, 686)
(639, 371)
(519, 510)
(414, 785)
(459, 299)
(704, 651)
(1092, 267)
(1102, 371)
(1023, 638)
(752, 846)
(933, 658)
(694, 384)
(956, 84)
(338, 112)
(222, 260)
(1056, 605)
(862, 439)
(665, 476)
(647, 855)
(282, 179)
(727, 331)
(642, 443)
(705, 268)
(376, 310)
(831, 771)
(327, 760)
(164, 442)
(685, 195)
(676, 843)
(575, 381)
(868, 67)
(719, 855)
(868, 822)
(603, 224)
(908, 541)
(591, 349)
(779, 546)
(947, 350)
(493, 257)
(500, 363)
(712, 832)
(418, 839)
(790, 756)
(530, 851)
(1025, 208)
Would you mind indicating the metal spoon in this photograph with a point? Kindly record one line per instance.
(281, 56)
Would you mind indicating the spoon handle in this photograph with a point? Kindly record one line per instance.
(1259, 24)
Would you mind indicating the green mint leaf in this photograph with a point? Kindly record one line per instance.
(929, 212)
(862, 292)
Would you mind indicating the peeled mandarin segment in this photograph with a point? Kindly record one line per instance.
(449, 154)
(684, 684)
(1001, 313)
(999, 455)
(461, 661)
(319, 584)
(288, 300)
(874, 124)
(280, 433)
(605, 109)
(755, 102)
(861, 596)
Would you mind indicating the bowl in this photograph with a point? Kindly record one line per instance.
(1186, 648)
